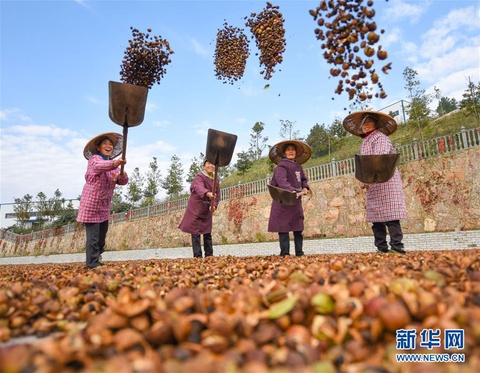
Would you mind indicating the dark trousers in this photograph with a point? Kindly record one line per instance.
(207, 245)
(284, 240)
(394, 230)
(96, 234)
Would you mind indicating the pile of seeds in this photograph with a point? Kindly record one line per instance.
(145, 59)
(316, 313)
(231, 53)
(349, 39)
(269, 34)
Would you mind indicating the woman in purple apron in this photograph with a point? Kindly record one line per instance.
(289, 175)
(197, 219)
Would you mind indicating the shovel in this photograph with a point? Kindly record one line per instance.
(375, 168)
(126, 107)
(285, 197)
(220, 147)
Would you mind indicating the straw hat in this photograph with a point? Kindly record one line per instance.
(277, 151)
(385, 123)
(116, 139)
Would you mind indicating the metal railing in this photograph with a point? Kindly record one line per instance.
(463, 140)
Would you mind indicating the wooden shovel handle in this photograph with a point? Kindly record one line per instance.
(124, 145)
(212, 202)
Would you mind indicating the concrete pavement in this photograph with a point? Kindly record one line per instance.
(423, 241)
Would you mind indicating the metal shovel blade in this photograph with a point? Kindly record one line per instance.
(220, 147)
(375, 168)
(285, 197)
(127, 103)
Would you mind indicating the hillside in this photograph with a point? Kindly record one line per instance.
(347, 146)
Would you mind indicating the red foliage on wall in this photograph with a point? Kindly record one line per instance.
(238, 208)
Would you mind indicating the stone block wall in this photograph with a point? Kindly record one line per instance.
(442, 195)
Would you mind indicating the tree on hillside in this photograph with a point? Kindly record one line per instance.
(42, 207)
(118, 204)
(322, 140)
(471, 100)
(173, 181)
(66, 216)
(195, 167)
(445, 104)
(257, 141)
(337, 129)
(153, 179)
(319, 140)
(287, 132)
(417, 110)
(49, 209)
(55, 206)
(23, 210)
(224, 172)
(244, 162)
(135, 188)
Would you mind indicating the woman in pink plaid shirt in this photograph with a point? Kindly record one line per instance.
(101, 178)
(385, 201)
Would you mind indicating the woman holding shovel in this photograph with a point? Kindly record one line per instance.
(197, 219)
(289, 175)
(101, 178)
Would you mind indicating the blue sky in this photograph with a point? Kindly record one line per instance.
(57, 58)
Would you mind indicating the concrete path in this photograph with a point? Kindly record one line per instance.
(424, 241)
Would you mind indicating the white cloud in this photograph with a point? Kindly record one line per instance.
(202, 128)
(449, 32)
(391, 38)
(14, 115)
(43, 158)
(38, 131)
(240, 120)
(457, 19)
(199, 48)
(37, 159)
(455, 61)
(248, 89)
(84, 4)
(94, 100)
(151, 150)
(162, 123)
(150, 107)
(448, 52)
(409, 51)
(454, 85)
(399, 10)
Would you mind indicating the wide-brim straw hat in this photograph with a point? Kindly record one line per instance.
(277, 151)
(116, 139)
(385, 123)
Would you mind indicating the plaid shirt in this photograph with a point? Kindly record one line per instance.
(97, 193)
(385, 201)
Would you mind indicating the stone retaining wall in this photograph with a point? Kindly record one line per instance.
(442, 195)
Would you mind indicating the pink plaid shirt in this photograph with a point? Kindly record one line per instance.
(101, 179)
(385, 201)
